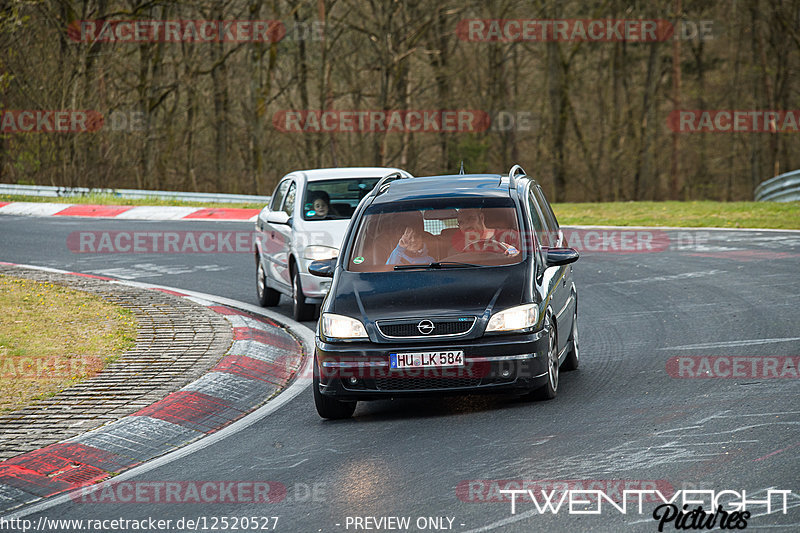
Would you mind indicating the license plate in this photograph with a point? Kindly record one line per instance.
(426, 359)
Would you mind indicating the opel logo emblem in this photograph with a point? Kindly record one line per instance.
(425, 327)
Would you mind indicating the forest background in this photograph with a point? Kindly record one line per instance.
(591, 119)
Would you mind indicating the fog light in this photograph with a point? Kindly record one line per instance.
(353, 380)
(505, 373)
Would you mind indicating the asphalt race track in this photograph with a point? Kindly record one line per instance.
(714, 298)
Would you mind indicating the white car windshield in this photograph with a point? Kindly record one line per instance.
(335, 199)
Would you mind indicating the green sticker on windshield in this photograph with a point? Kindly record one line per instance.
(358, 260)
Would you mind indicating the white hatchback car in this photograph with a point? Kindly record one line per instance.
(305, 221)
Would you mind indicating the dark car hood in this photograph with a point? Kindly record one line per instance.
(372, 296)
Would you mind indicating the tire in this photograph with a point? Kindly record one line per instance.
(327, 407)
(572, 360)
(301, 311)
(267, 297)
(549, 390)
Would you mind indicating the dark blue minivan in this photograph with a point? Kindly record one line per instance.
(446, 285)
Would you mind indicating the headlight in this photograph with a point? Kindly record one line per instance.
(342, 327)
(516, 318)
(320, 253)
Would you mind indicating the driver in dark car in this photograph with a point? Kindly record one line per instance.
(475, 236)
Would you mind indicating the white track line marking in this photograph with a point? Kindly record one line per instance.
(725, 344)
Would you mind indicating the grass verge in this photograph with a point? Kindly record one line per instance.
(773, 215)
(110, 199)
(51, 337)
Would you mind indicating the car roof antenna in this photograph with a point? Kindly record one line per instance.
(461, 172)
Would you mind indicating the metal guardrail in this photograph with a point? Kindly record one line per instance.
(783, 188)
(130, 194)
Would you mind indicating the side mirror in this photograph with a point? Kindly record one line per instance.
(560, 256)
(262, 217)
(323, 268)
(279, 217)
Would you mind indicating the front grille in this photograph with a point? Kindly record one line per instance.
(402, 383)
(408, 328)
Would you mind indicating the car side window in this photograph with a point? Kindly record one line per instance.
(288, 203)
(277, 196)
(540, 226)
(547, 211)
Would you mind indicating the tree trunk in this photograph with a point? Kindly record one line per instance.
(643, 178)
(674, 178)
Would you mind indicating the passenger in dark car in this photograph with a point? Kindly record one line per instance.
(411, 249)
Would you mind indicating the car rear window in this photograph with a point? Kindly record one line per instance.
(478, 231)
(339, 196)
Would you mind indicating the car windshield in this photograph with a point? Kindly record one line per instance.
(444, 233)
(335, 199)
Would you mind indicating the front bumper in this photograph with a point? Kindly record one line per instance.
(360, 370)
(314, 288)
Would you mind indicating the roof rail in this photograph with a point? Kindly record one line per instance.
(384, 182)
(515, 170)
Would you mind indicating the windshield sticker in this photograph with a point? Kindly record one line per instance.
(358, 260)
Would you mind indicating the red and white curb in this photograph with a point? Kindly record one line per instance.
(128, 212)
(262, 362)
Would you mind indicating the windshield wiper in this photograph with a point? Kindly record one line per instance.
(437, 265)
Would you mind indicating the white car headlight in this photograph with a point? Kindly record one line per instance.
(515, 318)
(317, 252)
(342, 327)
